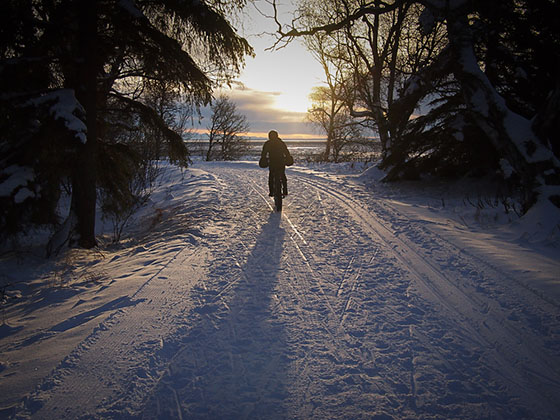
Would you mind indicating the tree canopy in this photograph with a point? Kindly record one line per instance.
(453, 87)
(73, 82)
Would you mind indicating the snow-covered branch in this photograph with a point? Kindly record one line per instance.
(64, 106)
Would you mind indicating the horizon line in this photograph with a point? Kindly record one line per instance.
(264, 135)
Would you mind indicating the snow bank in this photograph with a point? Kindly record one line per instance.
(18, 177)
(540, 225)
(470, 214)
(372, 174)
(50, 305)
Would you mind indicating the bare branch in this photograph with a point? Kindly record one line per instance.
(378, 9)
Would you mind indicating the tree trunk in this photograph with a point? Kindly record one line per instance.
(330, 130)
(209, 151)
(84, 174)
(379, 116)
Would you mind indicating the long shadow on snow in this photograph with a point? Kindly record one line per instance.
(232, 364)
(77, 320)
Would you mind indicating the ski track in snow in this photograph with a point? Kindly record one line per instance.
(338, 308)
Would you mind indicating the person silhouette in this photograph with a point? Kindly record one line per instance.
(276, 153)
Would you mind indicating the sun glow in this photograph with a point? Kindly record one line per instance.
(291, 70)
(292, 101)
(201, 133)
(274, 86)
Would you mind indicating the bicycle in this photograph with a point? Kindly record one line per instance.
(277, 189)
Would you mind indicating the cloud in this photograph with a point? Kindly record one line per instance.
(263, 114)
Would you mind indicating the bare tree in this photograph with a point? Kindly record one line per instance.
(225, 131)
(369, 57)
(331, 115)
(327, 101)
(173, 108)
(522, 136)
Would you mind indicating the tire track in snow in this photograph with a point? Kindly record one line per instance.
(305, 313)
(537, 380)
(229, 364)
(350, 357)
(307, 256)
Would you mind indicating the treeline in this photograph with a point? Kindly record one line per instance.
(92, 93)
(452, 87)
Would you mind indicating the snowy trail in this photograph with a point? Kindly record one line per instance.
(339, 308)
(480, 298)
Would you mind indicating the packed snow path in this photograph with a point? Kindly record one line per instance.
(338, 308)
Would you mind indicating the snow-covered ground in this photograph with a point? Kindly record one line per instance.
(360, 300)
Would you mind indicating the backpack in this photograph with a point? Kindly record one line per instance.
(263, 162)
(289, 160)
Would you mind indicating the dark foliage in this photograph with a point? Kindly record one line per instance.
(444, 142)
(517, 46)
(72, 71)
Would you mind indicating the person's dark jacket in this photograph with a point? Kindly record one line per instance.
(277, 153)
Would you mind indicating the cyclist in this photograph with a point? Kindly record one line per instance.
(276, 153)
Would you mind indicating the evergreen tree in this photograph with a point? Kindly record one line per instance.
(515, 46)
(70, 69)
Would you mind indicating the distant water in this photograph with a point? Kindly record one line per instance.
(299, 148)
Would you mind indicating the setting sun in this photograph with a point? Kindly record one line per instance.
(291, 71)
(274, 86)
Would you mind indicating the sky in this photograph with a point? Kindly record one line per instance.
(272, 90)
